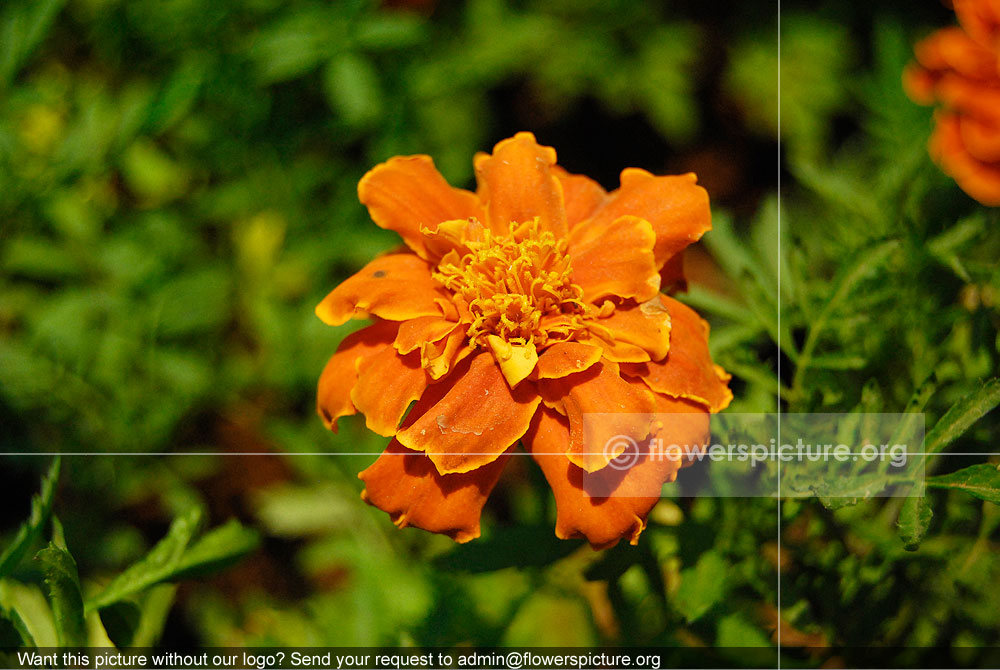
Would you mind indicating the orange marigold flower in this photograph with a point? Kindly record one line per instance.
(958, 68)
(516, 312)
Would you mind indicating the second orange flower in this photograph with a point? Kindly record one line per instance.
(516, 313)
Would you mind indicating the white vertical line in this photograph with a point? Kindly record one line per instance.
(778, 399)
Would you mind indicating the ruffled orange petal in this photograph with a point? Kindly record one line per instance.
(981, 137)
(629, 493)
(687, 371)
(952, 49)
(978, 179)
(672, 274)
(423, 330)
(387, 384)
(614, 258)
(333, 396)
(407, 193)
(981, 20)
(602, 409)
(518, 183)
(646, 326)
(582, 196)
(676, 207)
(396, 287)
(475, 421)
(405, 484)
(566, 358)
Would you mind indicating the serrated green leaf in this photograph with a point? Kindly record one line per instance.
(981, 481)
(41, 510)
(702, 586)
(914, 518)
(962, 415)
(63, 585)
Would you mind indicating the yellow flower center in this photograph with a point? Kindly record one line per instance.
(517, 287)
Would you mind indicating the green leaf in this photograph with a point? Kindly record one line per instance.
(735, 631)
(863, 265)
(702, 586)
(41, 509)
(962, 415)
(981, 481)
(178, 555)
(158, 565)
(217, 549)
(505, 549)
(63, 584)
(27, 608)
(914, 518)
(352, 88)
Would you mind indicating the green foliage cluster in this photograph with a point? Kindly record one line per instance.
(177, 191)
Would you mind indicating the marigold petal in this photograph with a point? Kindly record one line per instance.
(407, 193)
(981, 20)
(406, 485)
(614, 258)
(687, 371)
(437, 358)
(980, 180)
(672, 276)
(601, 408)
(396, 287)
(952, 49)
(387, 384)
(629, 493)
(415, 332)
(517, 183)
(981, 138)
(516, 361)
(566, 358)
(675, 206)
(475, 421)
(333, 395)
(582, 196)
(646, 326)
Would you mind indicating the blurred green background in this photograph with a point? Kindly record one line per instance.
(177, 192)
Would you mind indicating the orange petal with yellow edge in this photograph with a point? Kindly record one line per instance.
(478, 418)
(627, 494)
(406, 485)
(517, 183)
(582, 196)
(614, 258)
(407, 193)
(396, 287)
(387, 384)
(437, 358)
(333, 396)
(566, 358)
(422, 330)
(687, 371)
(646, 326)
(601, 408)
(675, 206)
